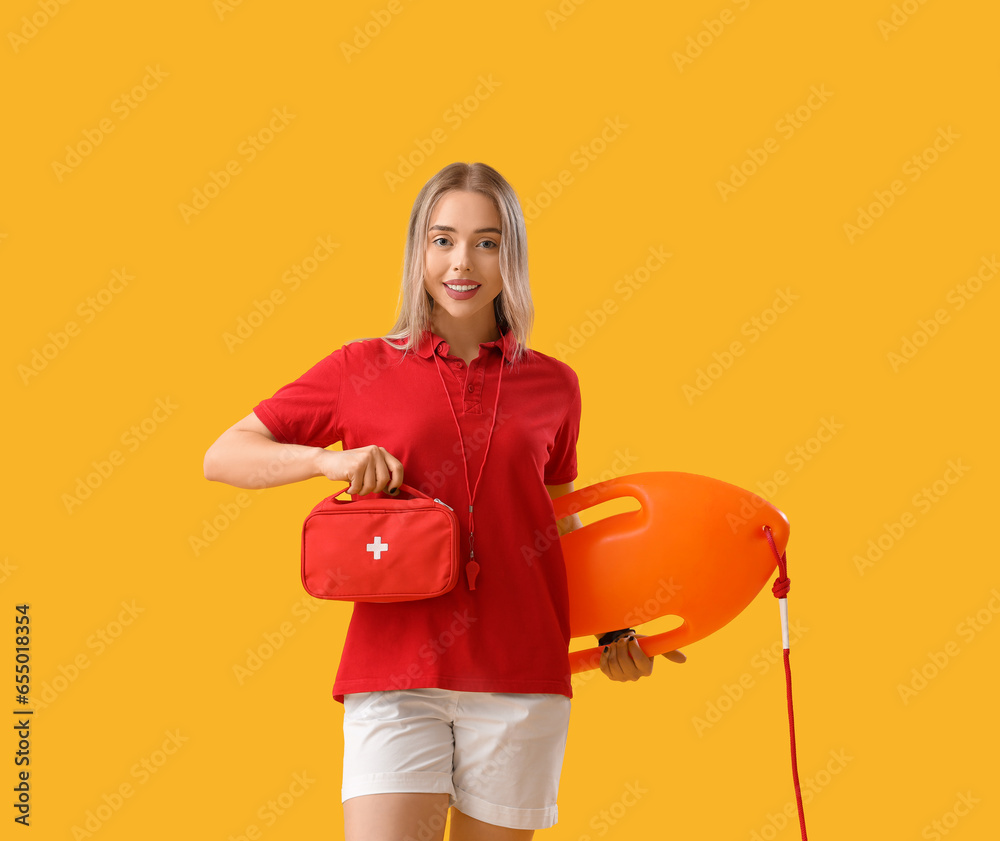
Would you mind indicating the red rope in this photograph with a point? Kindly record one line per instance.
(780, 588)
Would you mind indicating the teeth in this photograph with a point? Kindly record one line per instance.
(460, 288)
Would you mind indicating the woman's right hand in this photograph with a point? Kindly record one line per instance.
(369, 469)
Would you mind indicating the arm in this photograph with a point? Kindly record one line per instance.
(567, 524)
(247, 455)
(571, 523)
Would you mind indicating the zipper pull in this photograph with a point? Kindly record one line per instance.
(445, 504)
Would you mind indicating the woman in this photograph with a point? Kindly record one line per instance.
(460, 700)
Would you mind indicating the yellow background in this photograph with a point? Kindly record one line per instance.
(557, 82)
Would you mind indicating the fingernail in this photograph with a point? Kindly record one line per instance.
(605, 648)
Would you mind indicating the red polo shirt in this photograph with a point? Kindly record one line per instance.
(510, 634)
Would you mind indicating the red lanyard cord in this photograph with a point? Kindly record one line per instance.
(780, 589)
(472, 567)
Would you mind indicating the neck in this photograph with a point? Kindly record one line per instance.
(464, 338)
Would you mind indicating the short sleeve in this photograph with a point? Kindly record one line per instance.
(305, 411)
(561, 468)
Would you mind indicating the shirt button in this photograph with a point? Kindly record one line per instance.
(470, 388)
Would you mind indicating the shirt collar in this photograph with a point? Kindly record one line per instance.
(431, 341)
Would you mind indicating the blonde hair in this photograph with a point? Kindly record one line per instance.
(513, 307)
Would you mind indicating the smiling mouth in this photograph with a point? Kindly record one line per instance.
(462, 287)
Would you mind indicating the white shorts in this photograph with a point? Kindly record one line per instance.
(497, 755)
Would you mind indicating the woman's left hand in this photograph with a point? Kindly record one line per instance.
(623, 659)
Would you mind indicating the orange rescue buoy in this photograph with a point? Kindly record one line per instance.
(696, 548)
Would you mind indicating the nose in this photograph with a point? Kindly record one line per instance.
(460, 259)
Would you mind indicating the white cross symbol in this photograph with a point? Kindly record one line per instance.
(378, 547)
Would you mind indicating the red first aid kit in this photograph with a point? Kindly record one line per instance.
(379, 549)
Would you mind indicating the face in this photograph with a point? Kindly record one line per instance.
(463, 250)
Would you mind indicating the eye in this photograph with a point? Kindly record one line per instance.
(489, 242)
(439, 239)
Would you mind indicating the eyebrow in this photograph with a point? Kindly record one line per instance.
(477, 231)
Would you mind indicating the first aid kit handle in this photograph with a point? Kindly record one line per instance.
(403, 487)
